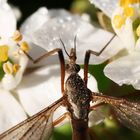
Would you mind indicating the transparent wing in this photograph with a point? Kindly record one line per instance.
(127, 110)
(36, 127)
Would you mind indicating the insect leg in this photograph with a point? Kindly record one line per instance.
(61, 118)
(61, 59)
(87, 57)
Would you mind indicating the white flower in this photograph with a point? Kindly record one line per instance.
(11, 69)
(125, 66)
(34, 90)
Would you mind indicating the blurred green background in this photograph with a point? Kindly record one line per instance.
(109, 129)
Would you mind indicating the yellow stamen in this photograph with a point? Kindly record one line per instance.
(125, 3)
(24, 46)
(17, 36)
(16, 68)
(3, 53)
(138, 31)
(134, 1)
(129, 11)
(8, 67)
(118, 21)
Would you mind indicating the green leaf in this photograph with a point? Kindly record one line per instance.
(136, 23)
(1, 71)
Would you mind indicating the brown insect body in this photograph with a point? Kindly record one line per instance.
(78, 99)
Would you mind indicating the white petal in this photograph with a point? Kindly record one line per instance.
(34, 22)
(7, 20)
(125, 70)
(107, 6)
(2, 1)
(36, 52)
(96, 41)
(65, 25)
(92, 83)
(11, 112)
(125, 33)
(10, 81)
(42, 87)
(60, 25)
(39, 89)
(17, 12)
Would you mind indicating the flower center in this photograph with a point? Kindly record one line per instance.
(8, 59)
(125, 3)
(3, 53)
(128, 11)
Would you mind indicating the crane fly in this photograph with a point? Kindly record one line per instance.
(76, 98)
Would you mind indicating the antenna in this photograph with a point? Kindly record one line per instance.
(75, 38)
(64, 47)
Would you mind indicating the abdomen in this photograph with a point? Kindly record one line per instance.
(79, 97)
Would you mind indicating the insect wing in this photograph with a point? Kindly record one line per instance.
(128, 113)
(127, 110)
(38, 127)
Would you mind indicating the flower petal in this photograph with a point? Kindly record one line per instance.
(10, 81)
(107, 6)
(125, 70)
(36, 52)
(98, 41)
(125, 33)
(6, 29)
(34, 22)
(42, 87)
(61, 24)
(11, 112)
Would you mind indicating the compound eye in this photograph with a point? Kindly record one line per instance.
(77, 68)
(67, 66)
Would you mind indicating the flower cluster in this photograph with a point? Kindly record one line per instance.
(33, 91)
(29, 92)
(124, 68)
(13, 60)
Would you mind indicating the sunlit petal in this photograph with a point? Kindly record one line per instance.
(107, 6)
(6, 16)
(34, 22)
(125, 70)
(42, 87)
(126, 32)
(11, 112)
(61, 24)
(111, 50)
(10, 81)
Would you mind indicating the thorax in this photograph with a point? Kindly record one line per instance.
(78, 96)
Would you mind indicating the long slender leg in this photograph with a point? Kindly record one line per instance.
(61, 59)
(61, 118)
(87, 57)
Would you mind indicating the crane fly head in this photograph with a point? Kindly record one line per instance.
(71, 66)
